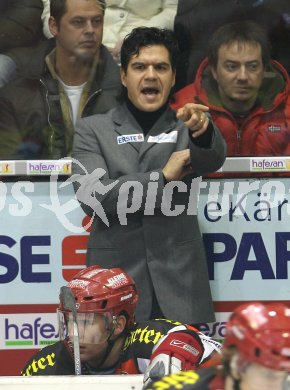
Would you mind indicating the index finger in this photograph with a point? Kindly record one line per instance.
(196, 107)
(184, 113)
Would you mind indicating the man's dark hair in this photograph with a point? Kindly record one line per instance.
(243, 32)
(59, 7)
(147, 36)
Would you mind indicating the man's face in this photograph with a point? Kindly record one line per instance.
(239, 73)
(93, 353)
(149, 78)
(93, 333)
(80, 31)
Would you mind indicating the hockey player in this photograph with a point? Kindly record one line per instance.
(255, 355)
(99, 336)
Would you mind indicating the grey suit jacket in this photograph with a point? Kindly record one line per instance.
(141, 224)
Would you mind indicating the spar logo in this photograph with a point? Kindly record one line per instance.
(28, 331)
(74, 249)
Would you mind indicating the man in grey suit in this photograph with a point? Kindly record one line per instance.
(136, 171)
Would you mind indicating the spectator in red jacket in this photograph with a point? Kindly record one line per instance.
(197, 20)
(247, 92)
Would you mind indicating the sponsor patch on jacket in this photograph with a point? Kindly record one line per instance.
(124, 139)
(274, 128)
(164, 138)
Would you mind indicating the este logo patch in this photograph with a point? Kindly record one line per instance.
(124, 139)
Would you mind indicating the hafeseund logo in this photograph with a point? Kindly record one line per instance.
(28, 331)
(48, 167)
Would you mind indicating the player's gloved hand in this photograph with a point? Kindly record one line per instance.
(177, 351)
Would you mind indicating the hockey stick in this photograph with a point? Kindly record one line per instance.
(69, 303)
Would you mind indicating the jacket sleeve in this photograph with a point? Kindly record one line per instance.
(9, 130)
(208, 160)
(20, 23)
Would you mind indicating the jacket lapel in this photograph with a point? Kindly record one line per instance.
(126, 126)
(164, 125)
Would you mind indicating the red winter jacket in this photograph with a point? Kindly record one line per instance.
(265, 132)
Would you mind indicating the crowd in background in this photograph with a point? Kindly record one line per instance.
(26, 39)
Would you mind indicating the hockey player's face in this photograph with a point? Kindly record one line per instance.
(239, 73)
(93, 353)
(92, 328)
(149, 78)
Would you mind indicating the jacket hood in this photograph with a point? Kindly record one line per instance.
(275, 87)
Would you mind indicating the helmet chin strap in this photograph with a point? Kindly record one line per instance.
(237, 365)
(236, 384)
(107, 353)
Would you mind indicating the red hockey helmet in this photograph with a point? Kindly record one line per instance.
(261, 333)
(100, 290)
